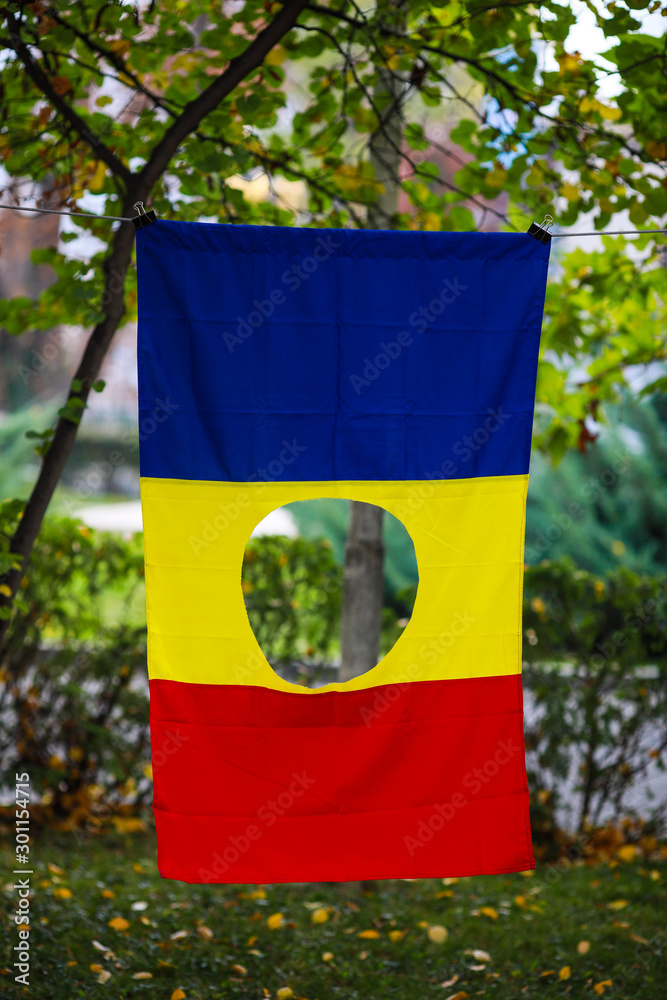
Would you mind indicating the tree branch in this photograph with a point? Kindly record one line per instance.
(138, 188)
(42, 82)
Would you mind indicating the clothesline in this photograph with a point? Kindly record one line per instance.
(141, 212)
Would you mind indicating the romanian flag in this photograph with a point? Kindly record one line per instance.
(396, 368)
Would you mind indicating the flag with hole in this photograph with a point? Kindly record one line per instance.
(395, 368)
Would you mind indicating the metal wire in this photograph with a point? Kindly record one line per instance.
(610, 232)
(53, 211)
(121, 218)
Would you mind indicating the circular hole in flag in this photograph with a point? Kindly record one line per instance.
(293, 583)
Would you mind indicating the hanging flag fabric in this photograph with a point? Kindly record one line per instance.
(396, 368)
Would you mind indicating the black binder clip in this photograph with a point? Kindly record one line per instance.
(143, 217)
(542, 233)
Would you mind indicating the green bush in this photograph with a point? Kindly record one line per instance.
(595, 653)
(74, 706)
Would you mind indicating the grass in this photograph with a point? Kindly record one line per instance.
(215, 941)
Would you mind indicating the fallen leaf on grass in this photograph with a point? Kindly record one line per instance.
(119, 924)
(142, 975)
(458, 996)
(240, 969)
(368, 934)
(95, 967)
(274, 921)
(488, 911)
(437, 934)
(284, 993)
(549, 972)
(450, 982)
(178, 935)
(599, 987)
(130, 824)
(478, 954)
(178, 994)
(638, 939)
(108, 893)
(320, 915)
(628, 852)
(584, 947)
(139, 905)
(565, 972)
(104, 976)
(54, 868)
(617, 904)
(63, 893)
(397, 935)
(205, 933)
(327, 956)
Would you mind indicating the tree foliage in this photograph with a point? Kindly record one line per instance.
(192, 106)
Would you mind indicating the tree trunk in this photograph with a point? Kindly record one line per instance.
(363, 570)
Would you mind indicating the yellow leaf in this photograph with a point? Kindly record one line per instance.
(178, 994)
(108, 893)
(565, 972)
(63, 893)
(205, 933)
(128, 824)
(54, 868)
(104, 976)
(95, 967)
(137, 867)
(119, 924)
(274, 921)
(96, 182)
(656, 150)
(489, 911)
(599, 987)
(275, 56)
(520, 901)
(320, 915)
(437, 934)
(584, 947)
(284, 993)
(461, 995)
(257, 894)
(142, 975)
(569, 191)
(497, 177)
(327, 956)
(147, 771)
(121, 46)
(76, 753)
(617, 904)
(5, 590)
(241, 969)
(368, 934)
(549, 972)
(628, 852)
(397, 935)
